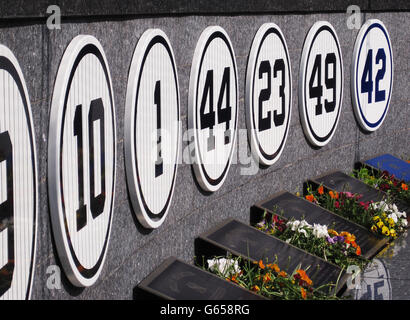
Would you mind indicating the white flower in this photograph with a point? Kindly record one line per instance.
(293, 225)
(393, 216)
(304, 223)
(224, 266)
(288, 240)
(303, 231)
(404, 222)
(320, 231)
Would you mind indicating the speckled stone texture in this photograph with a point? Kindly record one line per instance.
(133, 251)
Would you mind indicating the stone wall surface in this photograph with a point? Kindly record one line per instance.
(134, 252)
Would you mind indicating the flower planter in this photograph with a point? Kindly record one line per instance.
(240, 240)
(334, 192)
(397, 169)
(339, 181)
(177, 280)
(293, 206)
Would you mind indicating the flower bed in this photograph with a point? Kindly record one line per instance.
(382, 218)
(269, 280)
(339, 248)
(397, 189)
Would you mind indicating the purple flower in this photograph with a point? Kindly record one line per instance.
(339, 239)
(330, 240)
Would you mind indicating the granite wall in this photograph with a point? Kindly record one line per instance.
(134, 251)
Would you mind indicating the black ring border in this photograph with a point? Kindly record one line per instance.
(9, 67)
(325, 138)
(356, 84)
(87, 49)
(214, 35)
(156, 39)
(282, 144)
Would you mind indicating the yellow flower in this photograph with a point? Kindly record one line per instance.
(380, 224)
(333, 232)
(393, 233)
(373, 228)
(384, 215)
(298, 194)
(375, 218)
(385, 231)
(391, 222)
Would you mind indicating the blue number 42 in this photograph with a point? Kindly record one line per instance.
(367, 76)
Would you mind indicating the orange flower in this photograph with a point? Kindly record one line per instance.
(267, 278)
(256, 288)
(261, 265)
(349, 238)
(405, 187)
(334, 195)
(320, 190)
(358, 251)
(274, 267)
(310, 197)
(283, 274)
(303, 293)
(304, 276)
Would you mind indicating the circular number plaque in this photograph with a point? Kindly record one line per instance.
(320, 83)
(212, 107)
(268, 94)
(18, 182)
(82, 160)
(372, 75)
(152, 129)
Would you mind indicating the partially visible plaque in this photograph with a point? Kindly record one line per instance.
(291, 206)
(391, 164)
(339, 181)
(239, 239)
(177, 280)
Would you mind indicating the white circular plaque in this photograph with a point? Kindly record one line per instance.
(18, 182)
(320, 83)
(152, 129)
(212, 107)
(372, 75)
(82, 160)
(268, 94)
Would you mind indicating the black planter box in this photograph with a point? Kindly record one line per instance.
(339, 181)
(177, 280)
(292, 206)
(241, 240)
